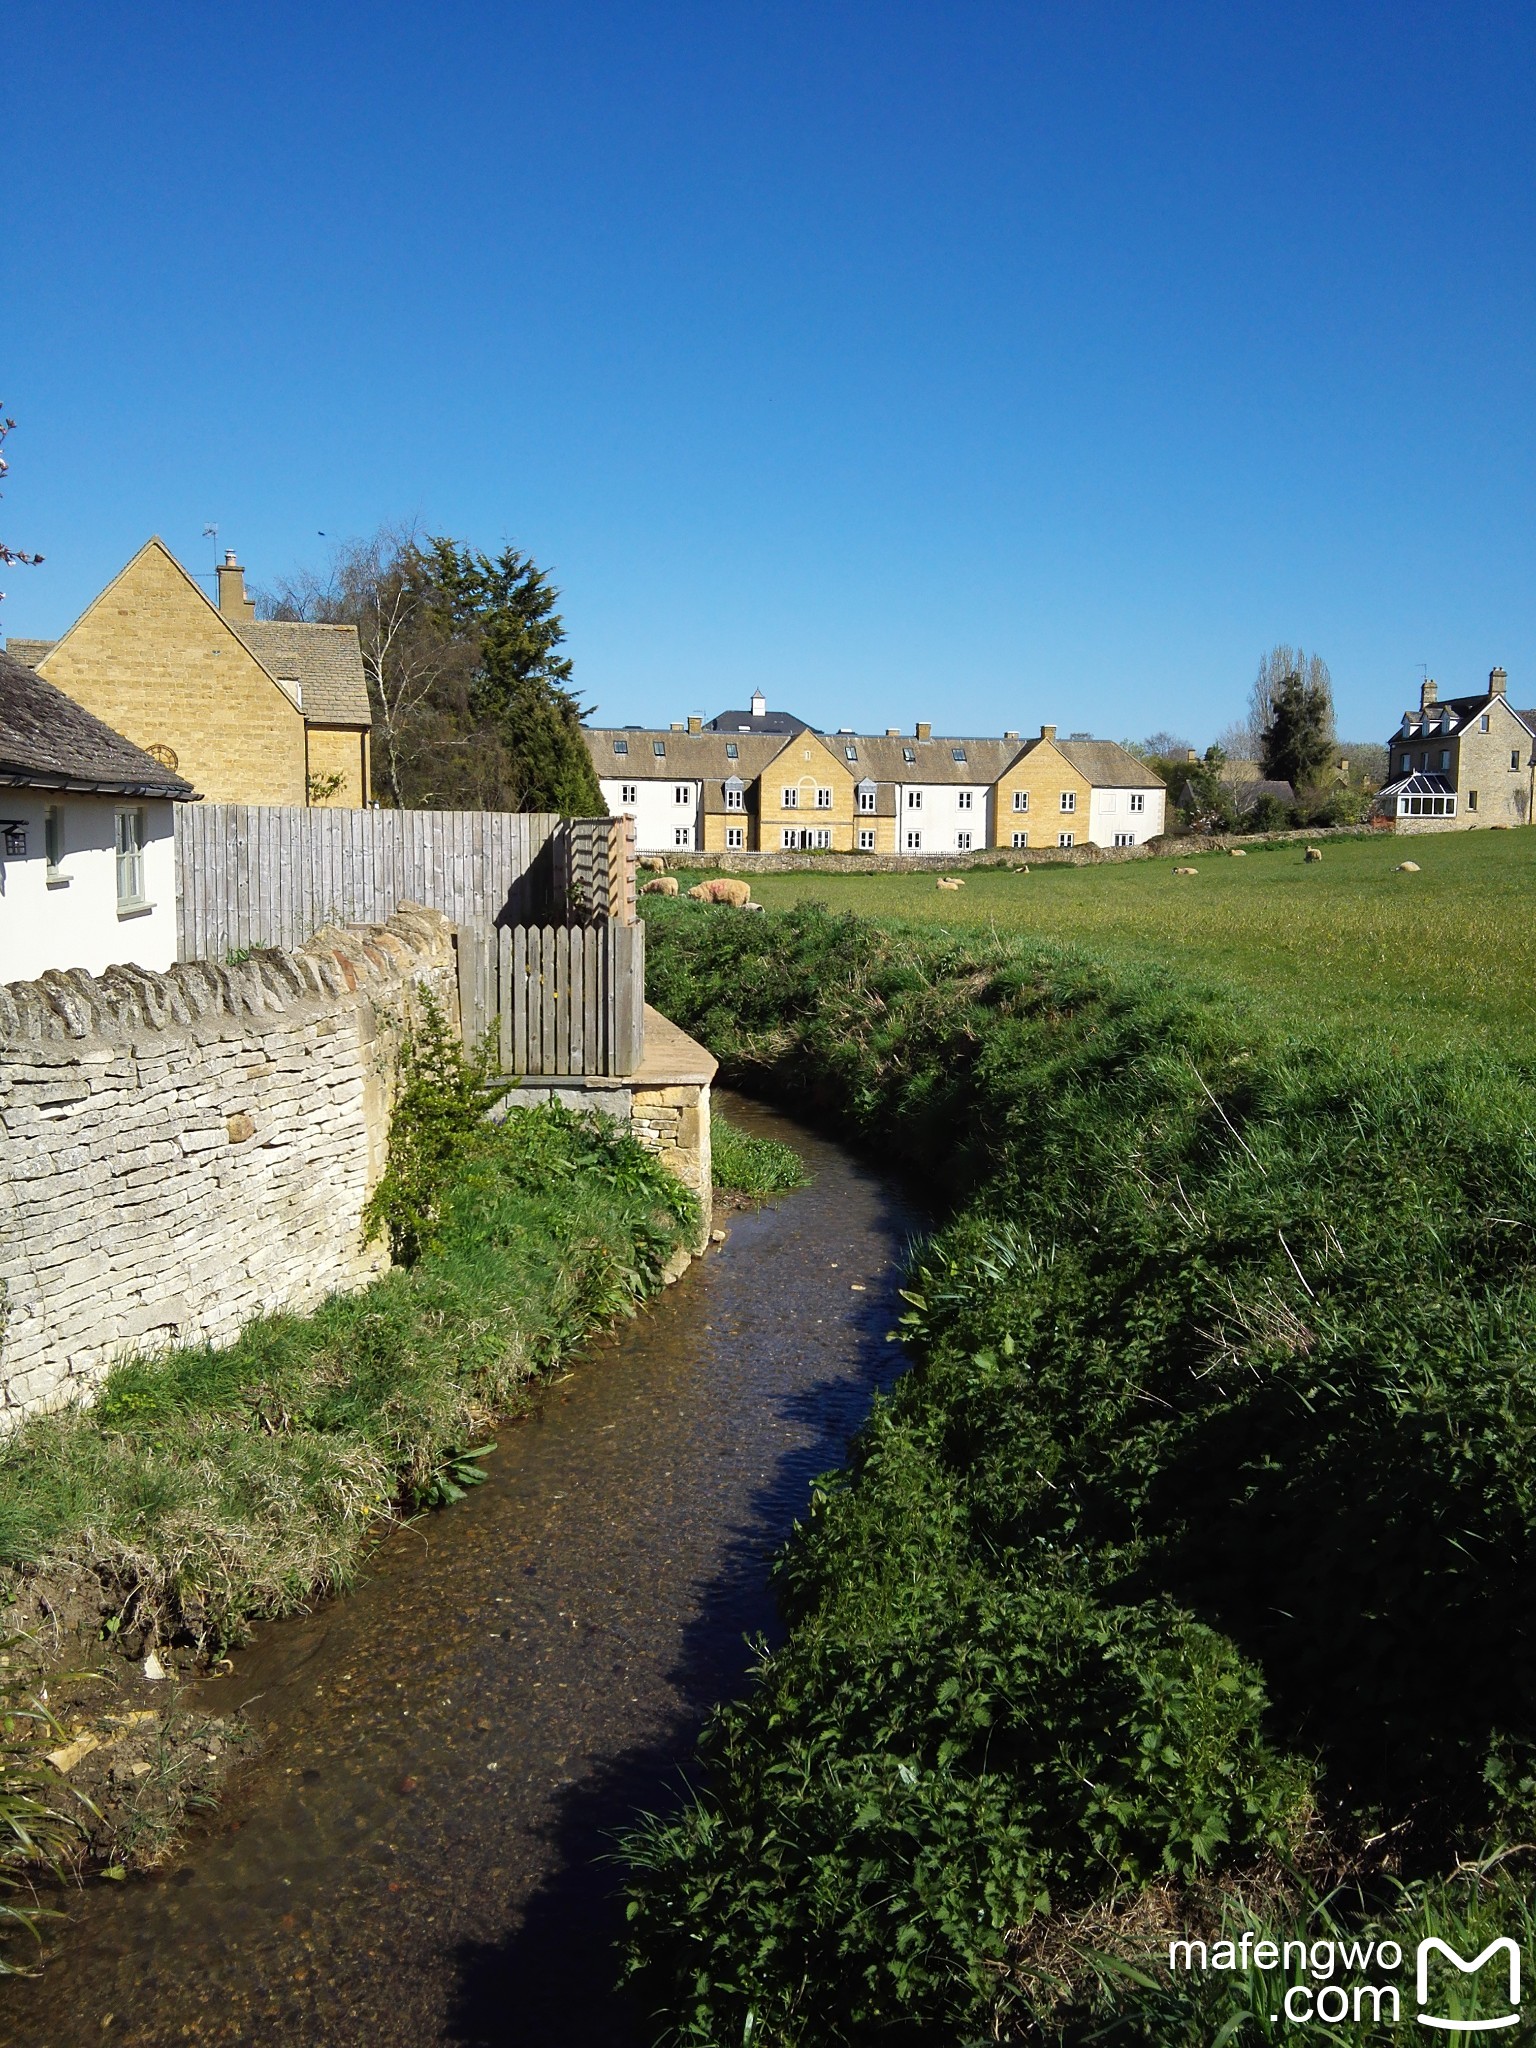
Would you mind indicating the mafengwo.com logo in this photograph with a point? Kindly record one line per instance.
(1344, 1985)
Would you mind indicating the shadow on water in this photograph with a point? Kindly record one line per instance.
(424, 1851)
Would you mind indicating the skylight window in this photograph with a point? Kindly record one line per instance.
(957, 754)
(659, 749)
(850, 753)
(732, 751)
(907, 754)
(621, 746)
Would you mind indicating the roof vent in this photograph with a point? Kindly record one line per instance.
(759, 704)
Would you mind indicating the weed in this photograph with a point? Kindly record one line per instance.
(753, 1166)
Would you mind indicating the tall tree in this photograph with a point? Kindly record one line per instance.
(1280, 662)
(1297, 743)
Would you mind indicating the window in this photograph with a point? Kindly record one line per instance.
(791, 800)
(735, 836)
(823, 799)
(1405, 767)
(626, 792)
(957, 754)
(963, 800)
(659, 749)
(53, 845)
(732, 751)
(908, 754)
(824, 836)
(1482, 723)
(789, 836)
(914, 842)
(1471, 799)
(962, 842)
(1514, 758)
(914, 799)
(866, 796)
(850, 753)
(1138, 800)
(1069, 799)
(1125, 839)
(682, 835)
(682, 793)
(735, 796)
(1021, 799)
(621, 746)
(130, 860)
(1445, 760)
(866, 839)
(1021, 839)
(1066, 839)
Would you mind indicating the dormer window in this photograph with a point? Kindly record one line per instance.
(866, 794)
(621, 746)
(735, 794)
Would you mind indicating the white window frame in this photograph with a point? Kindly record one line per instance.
(1066, 839)
(682, 793)
(866, 839)
(1125, 839)
(1138, 800)
(627, 793)
(823, 799)
(789, 837)
(824, 836)
(1021, 799)
(914, 842)
(914, 799)
(868, 798)
(128, 839)
(735, 838)
(1021, 839)
(682, 835)
(962, 842)
(1069, 799)
(53, 847)
(791, 800)
(965, 799)
(735, 799)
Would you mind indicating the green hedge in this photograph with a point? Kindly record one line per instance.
(1213, 1482)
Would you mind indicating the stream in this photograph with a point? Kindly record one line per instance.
(417, 1854)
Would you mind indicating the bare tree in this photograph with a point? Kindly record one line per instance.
(9, 555)
(1281, 662)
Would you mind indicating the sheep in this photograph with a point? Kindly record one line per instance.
(653, 863)
(1186, 871)
(663, 885)
(945, 883)
(1406, 867)
(737, 894)
(1238, 852)
(1314, 853)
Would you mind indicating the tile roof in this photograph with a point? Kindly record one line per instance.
(325, 661)
(885, 759)
(47, 741)
(769, 721)
(696, 756)
(1108, 765)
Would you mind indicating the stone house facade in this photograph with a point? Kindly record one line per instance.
(1458, 763)
(247, 710)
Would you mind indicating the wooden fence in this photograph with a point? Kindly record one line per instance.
(560, 999)
(265, 875)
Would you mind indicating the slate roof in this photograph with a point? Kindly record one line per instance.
(771, 721)
(1107, 765)
(1247, 794)
(47, 741)
(325, 661)
(30, 652)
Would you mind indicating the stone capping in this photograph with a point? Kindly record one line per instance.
(205, 998)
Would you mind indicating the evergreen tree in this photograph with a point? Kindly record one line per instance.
(1296, 745)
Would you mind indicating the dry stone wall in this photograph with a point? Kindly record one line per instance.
(182, 1151)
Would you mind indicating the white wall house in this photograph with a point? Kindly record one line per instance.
(941, 817)
(666, 810)
(1126, 817)
(87, 842)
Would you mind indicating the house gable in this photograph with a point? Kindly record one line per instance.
(154, 659)
(1042, 777)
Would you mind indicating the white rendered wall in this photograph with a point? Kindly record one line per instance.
(75, 921)
(658, 816)
(941, 818)
(1110, 813)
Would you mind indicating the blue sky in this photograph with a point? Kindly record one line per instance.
(979, 363)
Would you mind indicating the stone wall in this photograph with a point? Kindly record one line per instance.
(182, 1151)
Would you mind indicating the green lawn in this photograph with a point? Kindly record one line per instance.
(1444, 957)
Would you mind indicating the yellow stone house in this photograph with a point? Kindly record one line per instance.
(1041, 799)
(247, 710)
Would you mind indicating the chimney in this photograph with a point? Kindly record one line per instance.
(695, 722)
(1010, 735)
(233, 602)
(1498, 682)
(1429, 693)
(924, 729)
(893, 732)
(677, 725)
(1047, 732)
(759, 704)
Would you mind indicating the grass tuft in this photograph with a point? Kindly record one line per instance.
(758, 1168)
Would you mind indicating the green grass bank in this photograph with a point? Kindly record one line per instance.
(1185, 1581)
(1425, 961)
(208, 1488)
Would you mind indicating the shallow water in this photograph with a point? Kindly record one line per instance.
(417, 1854)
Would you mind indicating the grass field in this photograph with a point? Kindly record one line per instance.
(1447, 956)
